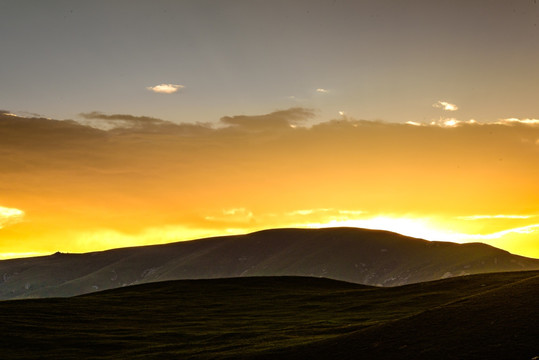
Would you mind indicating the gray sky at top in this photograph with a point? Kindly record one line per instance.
(388, 60)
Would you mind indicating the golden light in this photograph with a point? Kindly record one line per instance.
(419, 228)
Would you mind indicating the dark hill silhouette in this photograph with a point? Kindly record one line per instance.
(485, 316)
(369, 257)
(499, 323)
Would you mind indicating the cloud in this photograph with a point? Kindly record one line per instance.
(322, 91)
(283, 119)
(7, 113)
(528, 229)
(70, 177)
(124, 122)
(413, 123)
(499, 216)
(9, 216)
(121, 117)
(165, 88)
(445, 106)
(510, 121)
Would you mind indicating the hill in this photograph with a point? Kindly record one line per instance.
(470, 317)
(369, 257)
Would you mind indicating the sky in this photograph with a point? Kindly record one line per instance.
(126, 123)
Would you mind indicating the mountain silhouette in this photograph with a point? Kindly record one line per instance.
(369, 257)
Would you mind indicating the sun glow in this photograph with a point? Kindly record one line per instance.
(410, 227)
(513, 233)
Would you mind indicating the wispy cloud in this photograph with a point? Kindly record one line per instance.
(322, 91)
(123, 122)
(499, 216)
(9, 216)
(305, 212)
(519, 121)
(529, 229)
(165, 88)
(444, 105)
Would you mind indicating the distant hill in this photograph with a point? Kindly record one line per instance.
(369, 257)
(486, 316)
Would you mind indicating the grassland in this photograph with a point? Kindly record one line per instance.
(281, 317)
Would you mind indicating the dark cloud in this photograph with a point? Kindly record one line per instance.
(121, 117)
(21, 131)
(125, 123)
(283, 119)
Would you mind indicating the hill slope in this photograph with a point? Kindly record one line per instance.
(369, 257)
(501, 323)
(287, 317)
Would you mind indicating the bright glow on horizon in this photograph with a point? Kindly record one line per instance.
(18, 255)
(418, 228)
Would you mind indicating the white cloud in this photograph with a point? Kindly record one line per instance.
(322, 91)
(448, 122)
(445, 106)
(451, 122)
(165, 88)
(9, 215)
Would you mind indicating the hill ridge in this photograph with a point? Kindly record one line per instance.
(370, 257)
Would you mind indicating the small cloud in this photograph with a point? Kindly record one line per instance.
(234, 215)
(322, 91)
(9, 216)
(445, 106)
(165, 88)
(304, 212)
(342, 113)
(413, 123)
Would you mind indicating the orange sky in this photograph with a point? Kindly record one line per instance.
(74, 187)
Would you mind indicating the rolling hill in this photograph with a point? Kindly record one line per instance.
(486, 316)
(369, 257)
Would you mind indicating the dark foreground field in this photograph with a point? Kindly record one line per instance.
(491, 316)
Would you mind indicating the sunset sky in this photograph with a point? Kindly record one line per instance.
(137, 122)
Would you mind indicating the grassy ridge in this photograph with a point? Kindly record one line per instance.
(266, 317)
